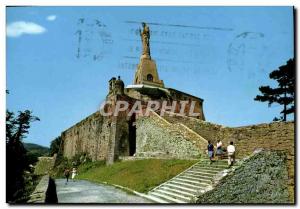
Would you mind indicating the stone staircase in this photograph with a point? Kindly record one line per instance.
(186, 186)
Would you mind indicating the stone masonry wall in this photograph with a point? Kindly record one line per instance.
(157, 137)
(207, 130)
(90, 136)
(45, 191)
(273, 136)
(276, 135)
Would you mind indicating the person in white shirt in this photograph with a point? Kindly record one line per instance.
(231, 153)
(74, 173)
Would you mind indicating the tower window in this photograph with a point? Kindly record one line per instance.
(149, 77)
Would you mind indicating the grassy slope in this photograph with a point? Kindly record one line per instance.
(139, 175)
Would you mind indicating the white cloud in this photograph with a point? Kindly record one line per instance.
(19, 28)
(51, 18)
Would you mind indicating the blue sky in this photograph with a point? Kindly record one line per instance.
(59, 59)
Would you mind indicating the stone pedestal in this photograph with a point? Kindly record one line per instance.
(146, 72)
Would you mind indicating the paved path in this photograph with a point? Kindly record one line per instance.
(82, 191)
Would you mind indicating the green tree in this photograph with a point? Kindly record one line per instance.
(17, 127)
(284, 93)
(55, 145)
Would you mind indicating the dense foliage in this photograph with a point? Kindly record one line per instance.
(61, 163)
(284, 93)
(55, 145)
(17, 162)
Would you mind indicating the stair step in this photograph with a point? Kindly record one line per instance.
(189, 184)
(155, 199)
(170, 184)
(191, 181)
(207, 160)
(175, 195)
(177, 191)
(198, 172)
(205, 170)
(221, 161)
(168, 197)
(214, 160)
(207, 167)
(199, 179)
(214, 168)
(214, 164)
(198, 176)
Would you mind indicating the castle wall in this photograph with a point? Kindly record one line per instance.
(208, 130)
(90, 136)
(276, 135)
(155, 137)
(181, 96)
(101, 137)
(161, 95)
(273, 136)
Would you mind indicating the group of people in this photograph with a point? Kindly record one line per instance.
(221, 151)
(67, 173)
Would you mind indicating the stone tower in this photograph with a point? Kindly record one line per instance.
(146, 72)
(116, 86)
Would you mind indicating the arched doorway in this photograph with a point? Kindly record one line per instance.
(124, 147)
(132, 135)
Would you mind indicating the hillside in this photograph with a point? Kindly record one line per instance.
(34, 151)
(35, 148)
